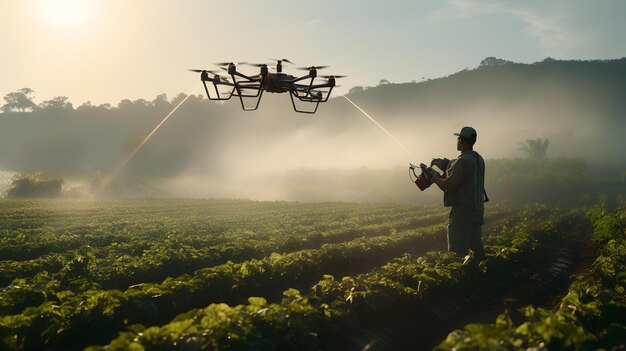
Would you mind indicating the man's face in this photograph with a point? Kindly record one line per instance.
(458, 144)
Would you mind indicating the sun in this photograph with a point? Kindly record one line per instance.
(66, 14)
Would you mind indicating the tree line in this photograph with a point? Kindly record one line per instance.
(22, 101)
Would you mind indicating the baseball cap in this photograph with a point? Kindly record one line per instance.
(467, 133)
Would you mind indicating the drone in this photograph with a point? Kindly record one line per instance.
(304, 89)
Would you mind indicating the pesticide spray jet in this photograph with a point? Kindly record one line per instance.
(252, 87)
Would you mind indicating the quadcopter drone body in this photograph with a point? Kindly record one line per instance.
(252, 87)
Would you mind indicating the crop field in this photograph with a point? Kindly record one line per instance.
(156, 274)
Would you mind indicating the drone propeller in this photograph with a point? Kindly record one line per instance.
(333, 76)
(312, 67)
(280, 60)
(265, 64)
(226, 64)
(202, 70)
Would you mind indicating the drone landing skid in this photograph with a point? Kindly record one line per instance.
(242, 87)
(250, 97)
(293, 102)
(220, 97)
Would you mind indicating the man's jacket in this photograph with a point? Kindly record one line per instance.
(464, 186)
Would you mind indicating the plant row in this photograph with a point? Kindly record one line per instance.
(333, 313)
(156, 249)
(65, 316)
(77, 275)
(32, 228)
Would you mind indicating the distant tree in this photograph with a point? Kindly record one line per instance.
(535, 148)
(125, 104)
(177, 100)
(161, 102)
(355, 90)
(89, 109)
(58, 103)
(384, 82)
(26, 186)
(141, 103)
(493, 61)
(19, 101)
(86, 107)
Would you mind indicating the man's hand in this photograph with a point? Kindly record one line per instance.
(441, 163)
(429, 172)
(435, 177)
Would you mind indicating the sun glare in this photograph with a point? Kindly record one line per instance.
(66, 14)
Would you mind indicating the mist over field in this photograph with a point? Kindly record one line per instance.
(210, 149)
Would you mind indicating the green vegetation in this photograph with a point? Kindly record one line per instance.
(27, 186)
(333, 313)
(86, 249)
(239, 275)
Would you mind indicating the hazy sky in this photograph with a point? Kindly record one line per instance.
(108, 50)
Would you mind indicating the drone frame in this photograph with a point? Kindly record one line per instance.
(310, 93)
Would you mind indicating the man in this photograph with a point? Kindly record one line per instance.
(463, 185)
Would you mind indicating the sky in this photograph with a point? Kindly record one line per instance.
(103, 51)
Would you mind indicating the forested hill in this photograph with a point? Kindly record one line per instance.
(599, 84)
(578, 105)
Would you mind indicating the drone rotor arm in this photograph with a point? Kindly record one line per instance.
(302, 78)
